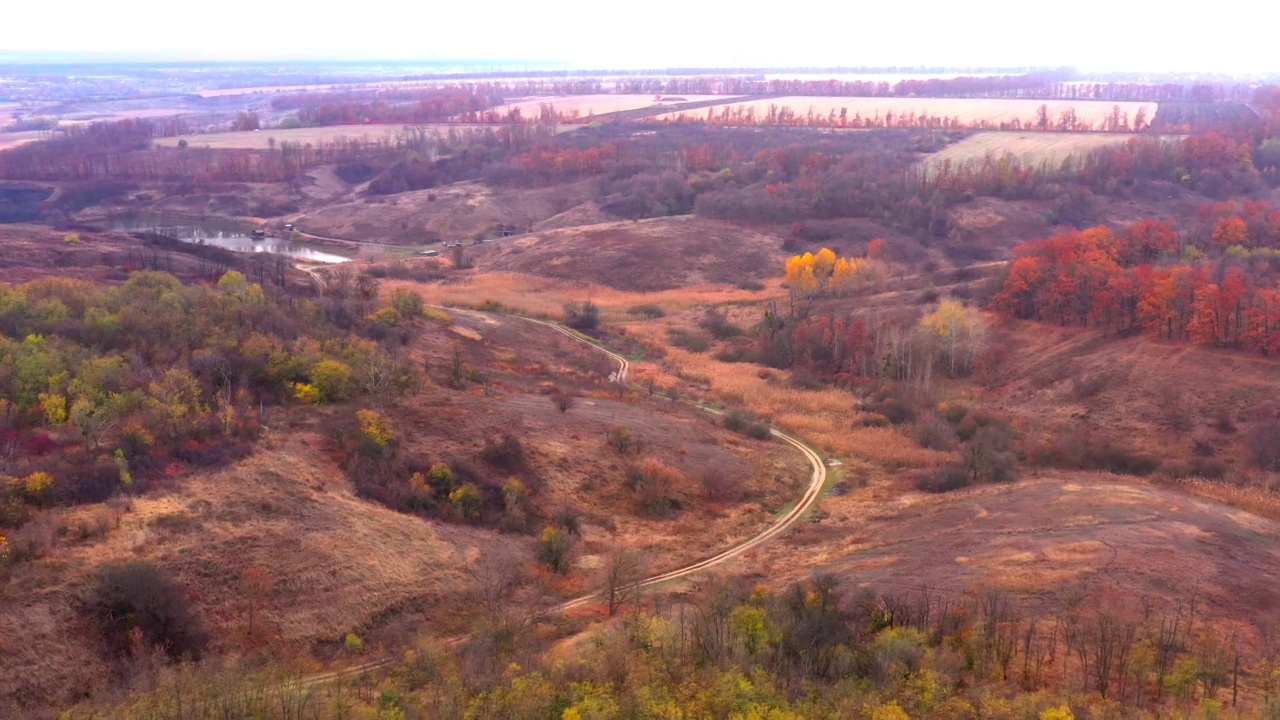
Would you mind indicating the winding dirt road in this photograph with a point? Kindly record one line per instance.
(817, 479)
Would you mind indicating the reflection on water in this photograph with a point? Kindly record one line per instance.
(227, 234)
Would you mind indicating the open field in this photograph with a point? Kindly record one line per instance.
(649, 255)
(983, 112)
(258, 139)
(1031, 148)
(584, 105)
(457, 212)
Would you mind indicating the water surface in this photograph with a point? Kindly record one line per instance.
(229, 234)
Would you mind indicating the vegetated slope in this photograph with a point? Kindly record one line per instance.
(334, 562)
(1052, 541)
(461, 211)
(649, 255)
(1172, 400)
(339, 562)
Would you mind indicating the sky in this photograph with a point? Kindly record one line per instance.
(1121, 35)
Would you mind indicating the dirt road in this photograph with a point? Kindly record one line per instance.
(817, 479)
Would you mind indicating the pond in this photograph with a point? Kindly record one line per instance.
(222, 233)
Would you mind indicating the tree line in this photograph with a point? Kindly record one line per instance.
(1215, 283)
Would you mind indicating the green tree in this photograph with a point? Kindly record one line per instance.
(332, 378)
(407, 302)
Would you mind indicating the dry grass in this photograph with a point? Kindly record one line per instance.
(546, 297)
(989, 111)
(827, 418)
(1046, 540)
(1029, 147)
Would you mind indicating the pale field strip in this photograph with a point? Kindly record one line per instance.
(12, 140)
(274, 89)
(871, 77)
(968, 110)
(259, 139)
(1028, 147)
(602, 104)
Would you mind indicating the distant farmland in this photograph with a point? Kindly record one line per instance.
(1029, 147)
(993, 113)
(259, 139)
(585, 105)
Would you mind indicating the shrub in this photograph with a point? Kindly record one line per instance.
(735, 420)
(655, 485)
(943, 479)
(553, 549)
(136, 597)
(651, 312)
(353, 643)
(407, 302)
(1263, 444)
(988, 456)
(442, 478)
(715, 322)
(758, 430)
(934, 433)
(751, 285)
(953, 411)
(563, 401)
(584, 316)
(34, 539)
(687, 340)
(621, 439)
(467, 501)
(507, 454)
(376, 434)
(897, 411)
(977, 419)
(331, 378)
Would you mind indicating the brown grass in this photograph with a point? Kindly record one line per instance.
(546, 296)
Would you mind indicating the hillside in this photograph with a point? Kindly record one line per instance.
(457, 212)
(644, 256)
(340, 562)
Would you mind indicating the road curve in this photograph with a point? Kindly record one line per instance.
(817, 478)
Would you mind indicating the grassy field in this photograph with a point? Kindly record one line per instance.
(1029, 147)
(971, 111)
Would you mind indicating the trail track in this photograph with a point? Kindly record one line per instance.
(817, 479)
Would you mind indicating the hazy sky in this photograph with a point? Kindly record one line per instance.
(1089, 34)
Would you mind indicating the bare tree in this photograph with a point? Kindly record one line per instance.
(621, 580)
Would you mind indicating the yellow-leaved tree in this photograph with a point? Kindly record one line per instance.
(956, 334)
(827, 273)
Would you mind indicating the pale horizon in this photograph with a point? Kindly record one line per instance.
(1092, 36)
